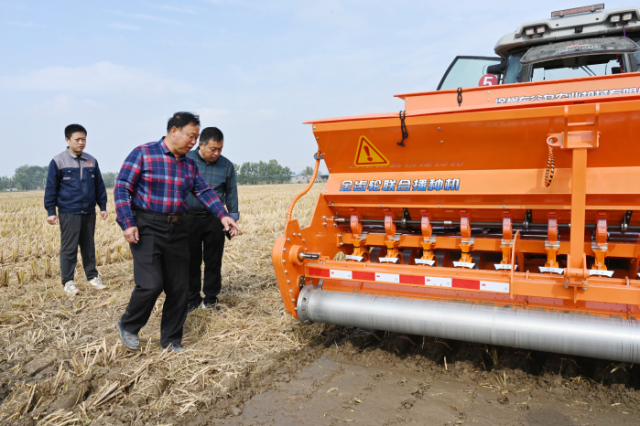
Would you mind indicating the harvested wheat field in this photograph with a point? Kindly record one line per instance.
(61, 362)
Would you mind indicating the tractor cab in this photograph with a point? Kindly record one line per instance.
(574, 43)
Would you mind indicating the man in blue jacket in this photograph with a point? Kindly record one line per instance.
(75, 186)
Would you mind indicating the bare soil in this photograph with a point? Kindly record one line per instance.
(375, 378)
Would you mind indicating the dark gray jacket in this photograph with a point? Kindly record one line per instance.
(221, 177)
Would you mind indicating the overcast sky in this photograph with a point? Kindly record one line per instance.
(255, 69)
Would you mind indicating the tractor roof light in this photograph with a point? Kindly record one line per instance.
(627, 16)
(530, 31)
(576, 10)
(615, 18)
(540, 30)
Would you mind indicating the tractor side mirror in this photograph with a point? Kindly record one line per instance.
(497, 68)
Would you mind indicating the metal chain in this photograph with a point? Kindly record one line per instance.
(551, 169)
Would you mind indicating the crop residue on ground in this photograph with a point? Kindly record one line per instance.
(61, 362)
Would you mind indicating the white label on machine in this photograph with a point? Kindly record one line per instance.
(493, 286)
(437, 281)
(388, 278)
(500, 266)
(469, 265)
(341, 274)
(351, 257)
(601, 273)
(388, 260)
(425, 262)
(552, 270)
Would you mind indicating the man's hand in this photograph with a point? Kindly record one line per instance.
(52, 220)
(230, 225)
(104, 215)
(131, 235)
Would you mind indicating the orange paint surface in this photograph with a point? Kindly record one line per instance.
(488, 157)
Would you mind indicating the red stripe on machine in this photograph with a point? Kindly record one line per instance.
(411, 279)
(319, 272)
(470, 284)
(341, 274)
(367, 276)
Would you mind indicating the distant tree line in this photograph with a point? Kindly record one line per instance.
(109, 179)
(261, 173)
(34, 177)
(25, 177)
(6, 182)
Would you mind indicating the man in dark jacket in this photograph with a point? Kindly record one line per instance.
(206, 236)
(75, 186)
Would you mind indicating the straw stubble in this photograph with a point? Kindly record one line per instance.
(61, 361)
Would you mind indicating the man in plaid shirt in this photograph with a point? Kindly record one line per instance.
(150, 196)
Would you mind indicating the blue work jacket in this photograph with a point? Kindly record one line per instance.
(74, 185)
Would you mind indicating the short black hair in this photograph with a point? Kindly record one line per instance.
(72, 128)
(181, 119)
(211, 133)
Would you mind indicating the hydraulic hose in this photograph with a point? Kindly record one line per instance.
(318, 157)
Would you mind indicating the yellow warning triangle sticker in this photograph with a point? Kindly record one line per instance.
(368, 155)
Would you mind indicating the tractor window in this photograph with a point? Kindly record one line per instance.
(466, 71)
(579, 49)
(514, 70)
(576, 67)
(573, 59)
(636, 56)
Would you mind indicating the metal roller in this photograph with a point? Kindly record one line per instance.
(581, 335)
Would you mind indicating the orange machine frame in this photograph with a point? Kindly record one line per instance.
(496, 144)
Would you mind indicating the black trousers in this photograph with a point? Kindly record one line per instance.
(77, 230)
(206, 242)
(160, 262)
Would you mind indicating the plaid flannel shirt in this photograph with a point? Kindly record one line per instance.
(152, 179)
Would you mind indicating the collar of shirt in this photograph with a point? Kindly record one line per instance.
(202, 158)
(75, 156)
(167, 151)
(200, 155)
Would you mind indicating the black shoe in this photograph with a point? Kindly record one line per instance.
(192, 307)
(213, 306)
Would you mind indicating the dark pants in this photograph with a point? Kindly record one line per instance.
(77, 230)
(160, 262)
(206, 242)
